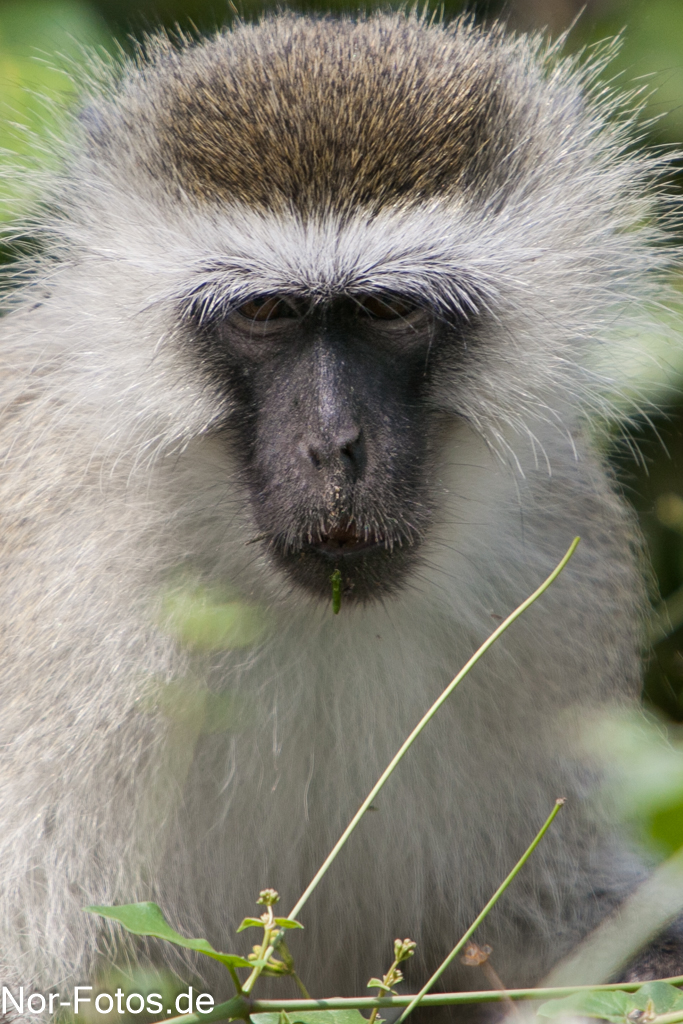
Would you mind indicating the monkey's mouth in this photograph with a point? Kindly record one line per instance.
(343, 541)
(371, 563)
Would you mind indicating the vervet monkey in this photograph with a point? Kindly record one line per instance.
(316, 295)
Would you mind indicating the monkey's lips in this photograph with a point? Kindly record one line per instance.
(341, 541)
(371, 565)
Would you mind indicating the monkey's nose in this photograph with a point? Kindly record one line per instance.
(342, 451)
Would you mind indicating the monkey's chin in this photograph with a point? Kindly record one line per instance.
(369, 566)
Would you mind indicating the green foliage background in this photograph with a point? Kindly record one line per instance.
(40, 38)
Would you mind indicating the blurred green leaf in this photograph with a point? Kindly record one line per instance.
(39, 40)
(651, 56)
(663, 998)
(612, 1006)
(202, 621)
(250, 922)
(196, 707)
(313, 1017)
(655, 997)
(645, 769)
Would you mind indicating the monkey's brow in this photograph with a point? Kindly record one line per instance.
(220, 294)
(205, 308)
(452, 266)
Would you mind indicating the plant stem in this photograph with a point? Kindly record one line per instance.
(238, 1007)
(447, 998)
(669, 1018)
(264, 954)
(480, 917)
(300, 985)
(249, 983)
(423, 722)
(235, 980)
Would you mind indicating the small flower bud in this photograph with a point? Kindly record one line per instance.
(404, 948)
(268, 897)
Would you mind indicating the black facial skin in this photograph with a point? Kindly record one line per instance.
(329, 420)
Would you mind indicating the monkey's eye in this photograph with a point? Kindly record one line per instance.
(270, 307)
(386, 307)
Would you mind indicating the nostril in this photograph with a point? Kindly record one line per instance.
(352, 455)
(345, 452)
(350, 451)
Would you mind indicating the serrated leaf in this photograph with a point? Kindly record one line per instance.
(250, 922)
(613, 1006)
(665, 998)
(287, 922)
(313, 1017)
(147, 919)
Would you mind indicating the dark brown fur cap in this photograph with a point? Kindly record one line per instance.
(305, 114)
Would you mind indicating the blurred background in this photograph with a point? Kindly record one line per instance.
(38, 38)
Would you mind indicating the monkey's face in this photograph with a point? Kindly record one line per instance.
(330, 425)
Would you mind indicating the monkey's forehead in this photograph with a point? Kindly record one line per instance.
(309, 115)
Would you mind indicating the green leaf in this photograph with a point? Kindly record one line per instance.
(616, 1006)
(645, 773)
(376, 983)
(251, 922)
(147, 919)
(313, 1017)
(204, 621)
(665, 998)
(229, 959)
(666, 827)
(287, 922)
(613, 1006)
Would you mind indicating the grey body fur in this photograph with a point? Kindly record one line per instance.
(205, 167)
